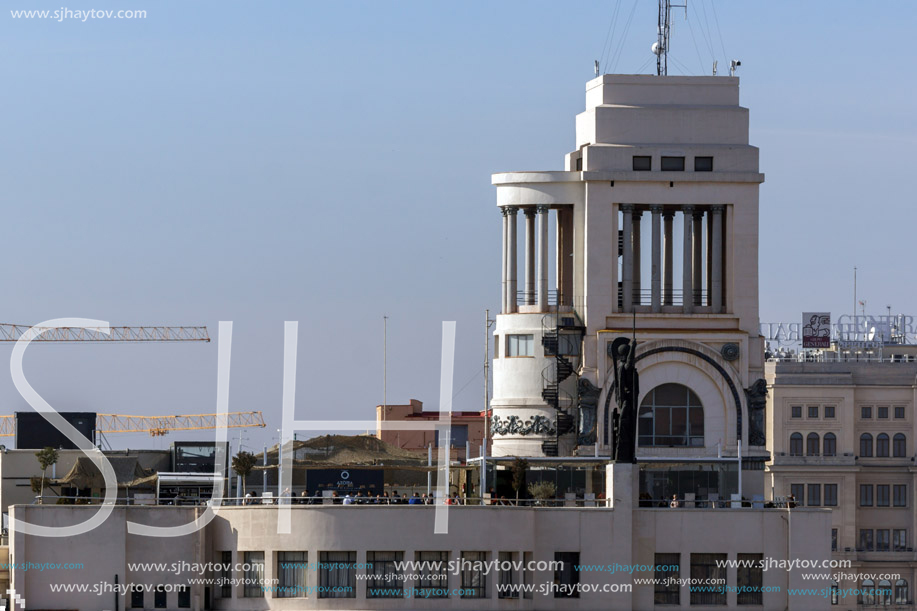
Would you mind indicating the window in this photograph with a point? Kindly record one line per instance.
(813, 411)
(160, 597)
(882, 542)
(868, 592)
(829, 411)
(798, 492)
(433, 576)
(458, 433)
(899, 413)
(291, 574)
(830, 495)
(643, 163)
(882, 445)
(882, 412)
(383, 579)
(750, 579)
(137, 597)
(865, 445)
(899, 445)
(673, 164)
(900, 491)
(225, 575)
(796, 411)
(835, 591)
(337, 575)
(474, 579)
(833, 539)
(496, 346)
(899, 540)
(671, 415)
(882, 495)
(796, 444)
(812, 444)
(704, 567)
(520, 345)
(866, 540)
(566, 577)
(866, 411)
(254, 575)
(507, 576)
(814, 499)
(829, 445)
(184, 597)
(703, 164)
(901, 592)
(865, 495)
(667, 566)
(884, 593)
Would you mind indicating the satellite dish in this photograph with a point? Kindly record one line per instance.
(656, 48)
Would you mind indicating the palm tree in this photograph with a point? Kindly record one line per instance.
(242, 464)
(46, 458)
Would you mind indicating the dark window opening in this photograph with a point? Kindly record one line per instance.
(643, 163)
(703, 164)
(673, 164)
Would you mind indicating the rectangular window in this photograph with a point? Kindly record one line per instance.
(383, 579)
(673, 164)
(829, 411)
(833, 539)
(899, 412)
(866, 539)
(813, 411)
(254, 575)
(750, 579)
(899, 540)
(566, 577)
(225, 575)
(882, 499)
(474, 579)
(830, 495)
(703, 164)
(434, 580)
(291, 574)
(900, 491)
(882, 411)
(866, 411)
(337, 575)
(865, 495)
(796, 411)
(705, 569)
(520, 345)
(798, 492)
(496, 346)
(507, 576)
(160, 600)
(882, 540)
(459, 434)
(184, 597)
(137, 597)
(814, 499)
(667, 568)
(643, 163)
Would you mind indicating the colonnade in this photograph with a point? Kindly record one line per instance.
(535, 290)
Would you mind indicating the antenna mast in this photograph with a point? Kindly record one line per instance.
(663, 34)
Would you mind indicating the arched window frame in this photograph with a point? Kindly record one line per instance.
(865, 445)
(796, 444)
(899, 445)
(812, 443)
(882, 445)
(654, 413)
(829, 445)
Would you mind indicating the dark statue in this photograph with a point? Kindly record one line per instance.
(627, 384)
(756, 397)
(587, 400)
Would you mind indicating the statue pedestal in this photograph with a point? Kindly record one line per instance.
(621, 485)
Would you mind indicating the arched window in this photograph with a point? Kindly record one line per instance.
(671, 415)
(899, 445)
(884, 593)
(901, 593)
(865, 445)
(882, 445)
(835, 591)
(829, 445)
(868, 592)
(812, 444)
(796, 444)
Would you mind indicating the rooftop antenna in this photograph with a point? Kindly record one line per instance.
(733, 65)
(660, 48)
(597, 67)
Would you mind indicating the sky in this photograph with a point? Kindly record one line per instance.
(330, 162)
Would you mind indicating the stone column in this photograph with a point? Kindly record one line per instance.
(687, 276)
(511, 260)
(668, 266)
(543, 258)
(716, 248)
(504, 302)
(656, 271)
(698, 283)
(529, 256)
(638, 298)
(627, 259)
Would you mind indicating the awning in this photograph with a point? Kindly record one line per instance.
(128, 473)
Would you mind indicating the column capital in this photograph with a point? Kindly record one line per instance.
(542, 209)
(626, 207)
(509, 210)
(718, 209)
(687, 209)
(529, 211)
(656, 209)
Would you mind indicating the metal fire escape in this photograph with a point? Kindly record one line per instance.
(554, 327)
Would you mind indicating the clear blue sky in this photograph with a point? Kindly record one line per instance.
(330, 162)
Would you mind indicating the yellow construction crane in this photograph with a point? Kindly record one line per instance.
(158, 425)
(12, 333)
